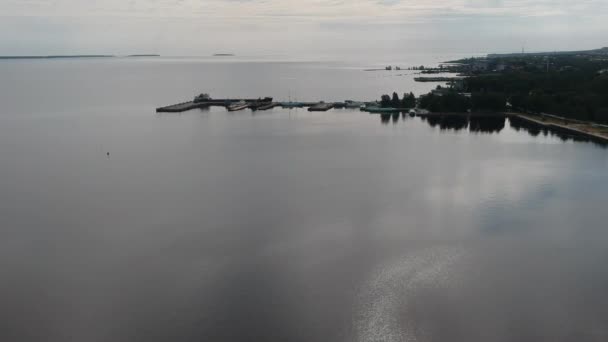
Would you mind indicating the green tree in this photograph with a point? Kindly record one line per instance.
(409, 100)
(395, 102)
(488, 101)
(385, 101)
(450, 102)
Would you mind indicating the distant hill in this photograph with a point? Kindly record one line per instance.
(602, 51)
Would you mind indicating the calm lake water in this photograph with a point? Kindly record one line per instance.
(285, 225)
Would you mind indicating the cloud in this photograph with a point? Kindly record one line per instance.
(178, 25)
(334, 9)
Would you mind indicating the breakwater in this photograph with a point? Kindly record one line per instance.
(254, 104)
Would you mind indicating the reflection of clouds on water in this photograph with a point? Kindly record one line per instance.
(383, 302)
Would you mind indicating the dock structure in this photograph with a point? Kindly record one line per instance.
(185, 106)
(203, 101)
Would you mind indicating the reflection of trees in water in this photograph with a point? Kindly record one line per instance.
(486, 124)
(532, 128)
(446, 122)
(459, 122)
(490, 124)
(535, 129)
(395, 117)
(385, 118)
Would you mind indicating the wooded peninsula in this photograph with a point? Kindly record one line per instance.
(573, 85)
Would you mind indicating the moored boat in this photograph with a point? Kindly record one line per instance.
(352, 104)
(237, 106)
(267, 106)
(321, 107)
(259, 103)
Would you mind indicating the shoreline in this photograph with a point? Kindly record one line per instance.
(585, 129)
(580, 128)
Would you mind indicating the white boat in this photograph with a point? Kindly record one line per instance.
(237, 106)
(353, 104)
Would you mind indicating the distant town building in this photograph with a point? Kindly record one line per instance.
(480, 65)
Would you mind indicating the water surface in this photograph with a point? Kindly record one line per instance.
(285, 225)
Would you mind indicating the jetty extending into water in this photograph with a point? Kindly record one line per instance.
(207, 102)
(595, 132)
(204, 101)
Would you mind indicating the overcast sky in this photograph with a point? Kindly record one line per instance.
(258, 27)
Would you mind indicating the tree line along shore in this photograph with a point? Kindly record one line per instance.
(568, 85)
(563, 90)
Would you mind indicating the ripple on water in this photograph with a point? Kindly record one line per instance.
(384, 297)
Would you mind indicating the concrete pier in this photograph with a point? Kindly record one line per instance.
(185, 106)
(254, 104)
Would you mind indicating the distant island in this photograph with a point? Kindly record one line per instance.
(144, 55)
(223, 55)
(56, 56)
(74, 56)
